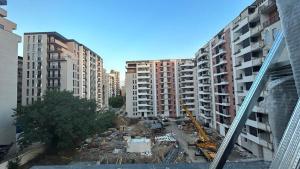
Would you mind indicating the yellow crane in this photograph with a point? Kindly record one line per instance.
(204, 144)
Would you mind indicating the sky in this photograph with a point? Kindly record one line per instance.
(123, 30)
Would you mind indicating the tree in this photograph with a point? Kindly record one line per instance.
(116, 102)
(105, 120)
(59, 120)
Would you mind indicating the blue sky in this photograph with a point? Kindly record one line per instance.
(121, 30)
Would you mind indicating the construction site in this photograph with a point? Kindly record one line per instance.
(155, 140)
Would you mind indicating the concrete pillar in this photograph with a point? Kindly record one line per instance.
(289, 12)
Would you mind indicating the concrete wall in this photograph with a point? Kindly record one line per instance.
(8, 83)
(289, 12)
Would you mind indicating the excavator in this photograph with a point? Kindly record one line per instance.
(204, 143)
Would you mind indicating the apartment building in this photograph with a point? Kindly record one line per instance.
(140, 89)
(8, 77)
(186, 90)
(106, 89)
(253, 34)
(100, 83)
(166, 88)
(155, 88)
(223, 80)
(53, 62)
(205, 87)
(226, 68)
(115, 82)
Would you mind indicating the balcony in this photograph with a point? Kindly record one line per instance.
(221, 62)
(220, 42)
(243, 37)
(269, 6)
(242, 51)
(236, 39)
(203, 61)
(204, 100)
(254, 16)
(256, 30)
(143, 77)
(3, 13)
(257, 46)
(143, 71)
(244, 79)
(223, 103)
(221, 82)
(225, 114)
(206, 108)
(259, 125)
(222, 92)
(271, 20)
(257, 140)
(221, 51)
(204, 53)
(251, 63)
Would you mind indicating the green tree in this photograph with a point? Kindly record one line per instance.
(59, 120)
(105, 120)
(116, 102)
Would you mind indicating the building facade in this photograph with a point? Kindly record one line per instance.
(186, 86)
(155, 87)
(115, 82)
(223, 80)
(20, 77)
(53, 62)
(8, 78)
(226, 68)
(205, 87)
(256, 31)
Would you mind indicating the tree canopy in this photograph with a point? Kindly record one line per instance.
(116, 101)
(59, 120)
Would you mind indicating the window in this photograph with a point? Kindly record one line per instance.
(248, 71)
(253, 131)
(27, 92)
(27, 83)
(1, 26)
(33, 65)
(32, 82)
(39, 38)
(32, 92)
(27, 74)
(32, 74)
(28, 65)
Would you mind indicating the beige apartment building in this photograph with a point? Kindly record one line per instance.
(114, 83)
(155, 87)
(53, 62)
(8, 78)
